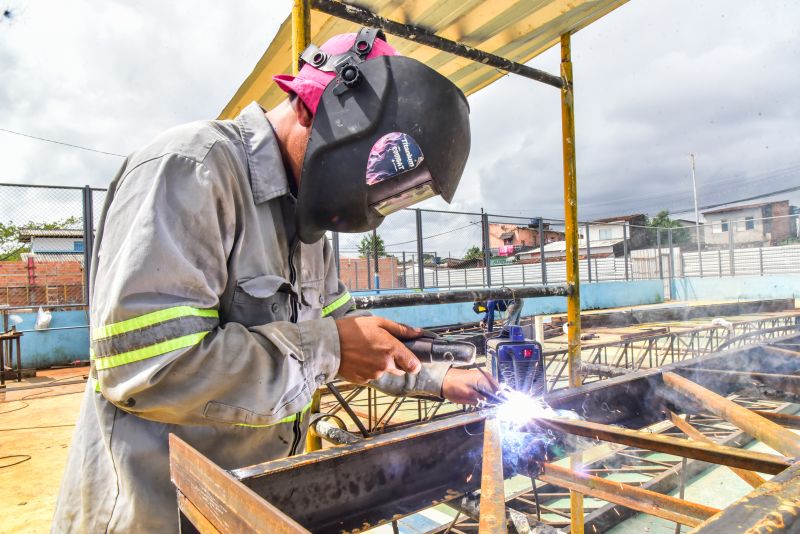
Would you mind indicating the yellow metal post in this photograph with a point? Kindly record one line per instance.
(573, 255)
(301, 30)
(301, 36)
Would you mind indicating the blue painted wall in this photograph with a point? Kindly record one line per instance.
(46, 348)
(593, 296)
(737, 287)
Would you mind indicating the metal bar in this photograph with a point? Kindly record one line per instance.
(493, 504)
(731, 248)
(88, 238)
(346, 407)
(336, 255)
(426, 37)
(786, 383)
(588, 254)
(625, 250)
(751, 478)
(224, 501)
(774, 435)
(649, 502)
(542, 257)
(487, 250)
(571, 215)
(446, 297)
(197, 522)
(301, 31)
(420, 260)
(772, 507)
(783, 419)
(708, 452)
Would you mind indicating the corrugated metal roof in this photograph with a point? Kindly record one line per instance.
(26, 234)
(516, 29)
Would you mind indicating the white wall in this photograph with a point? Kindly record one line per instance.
(54, 244)
(599, 232)
(736, 223)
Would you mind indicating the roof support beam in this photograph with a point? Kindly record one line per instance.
(426, 37)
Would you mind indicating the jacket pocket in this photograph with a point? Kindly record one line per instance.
(261, 300)
(231, 414)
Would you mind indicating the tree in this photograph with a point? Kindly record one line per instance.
(680, 234)
(368, 245)
(473, 253)
(10, 247)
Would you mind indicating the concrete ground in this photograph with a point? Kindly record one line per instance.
(36, 428)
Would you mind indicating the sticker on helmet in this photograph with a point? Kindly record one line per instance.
(393, 154)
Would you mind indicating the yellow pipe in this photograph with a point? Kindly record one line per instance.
(573, 255)
(301, 36)
(301, 30)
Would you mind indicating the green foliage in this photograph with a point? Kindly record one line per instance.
(10, 247)
(680, 234)
(368, 245)
(473, 253)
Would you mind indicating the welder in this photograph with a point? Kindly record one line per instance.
(216, 310)
(489, 307)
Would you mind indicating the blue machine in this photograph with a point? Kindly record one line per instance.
(517, 362)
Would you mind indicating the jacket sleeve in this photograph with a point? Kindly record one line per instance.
(158, 347)
(339, 303)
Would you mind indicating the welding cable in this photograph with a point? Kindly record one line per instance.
(24, 405)
(25, 458)
(34, 427)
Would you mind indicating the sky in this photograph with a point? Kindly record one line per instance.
(654, 81)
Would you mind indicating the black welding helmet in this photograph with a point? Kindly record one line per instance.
(388, 132)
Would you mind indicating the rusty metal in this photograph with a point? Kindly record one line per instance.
(783, 419)
(754, 479)
(393, 300)
(649, 502)
(774, 435)
(772, 507)
(224, 502)
(492, 518)
(708, 452)
(421, 35)
(786, 383)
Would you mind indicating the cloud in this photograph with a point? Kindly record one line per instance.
(654, 80)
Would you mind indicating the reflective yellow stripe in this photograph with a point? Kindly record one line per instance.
(151, 351)
(336, 304)
(96, 382)
(149, 319)
(288, 419)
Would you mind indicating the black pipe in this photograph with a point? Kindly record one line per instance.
(447, 297)
(359, 15)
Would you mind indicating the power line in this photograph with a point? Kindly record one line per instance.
(61, 143)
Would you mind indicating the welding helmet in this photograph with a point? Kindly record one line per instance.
(388, 132)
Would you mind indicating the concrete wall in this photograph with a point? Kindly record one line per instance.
(593, 296)
(56, 244)
(46, 348)
(737, 287)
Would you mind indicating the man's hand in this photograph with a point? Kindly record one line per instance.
(370, 346)
(463, 386)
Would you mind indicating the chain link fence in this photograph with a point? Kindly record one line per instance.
(43, 248)
(42, 244)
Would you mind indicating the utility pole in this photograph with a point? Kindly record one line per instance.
(696, 219)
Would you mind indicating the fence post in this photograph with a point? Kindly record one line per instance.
(761, 259)
(335, 242)
(542, 258)
(88, 240)
(719, 261)
(731, 257)
(671, 260)
(405, 272)
(487, 252)
(625, 247)
(660, 259)
(369, 271)
(420, 261)
(377, 258)
(588, 254)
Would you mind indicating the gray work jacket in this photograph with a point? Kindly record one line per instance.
(209, 320)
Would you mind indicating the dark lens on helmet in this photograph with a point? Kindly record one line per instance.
(392, 155)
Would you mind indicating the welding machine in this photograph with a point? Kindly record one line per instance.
(517, 362)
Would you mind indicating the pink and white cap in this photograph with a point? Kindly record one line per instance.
(310, 83)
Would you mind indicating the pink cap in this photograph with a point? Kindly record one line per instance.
(310, 83)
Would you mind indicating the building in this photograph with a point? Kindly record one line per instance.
(616, 228)
(558, 250)
(767, 223)
(506, 239)
(53, 241)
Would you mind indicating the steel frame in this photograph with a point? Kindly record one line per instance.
(380, 479)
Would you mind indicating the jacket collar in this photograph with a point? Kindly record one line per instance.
(268, 178)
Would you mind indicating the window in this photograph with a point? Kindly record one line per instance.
(605, 233)
(749, 223)
(77, 246)
(724, 225)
